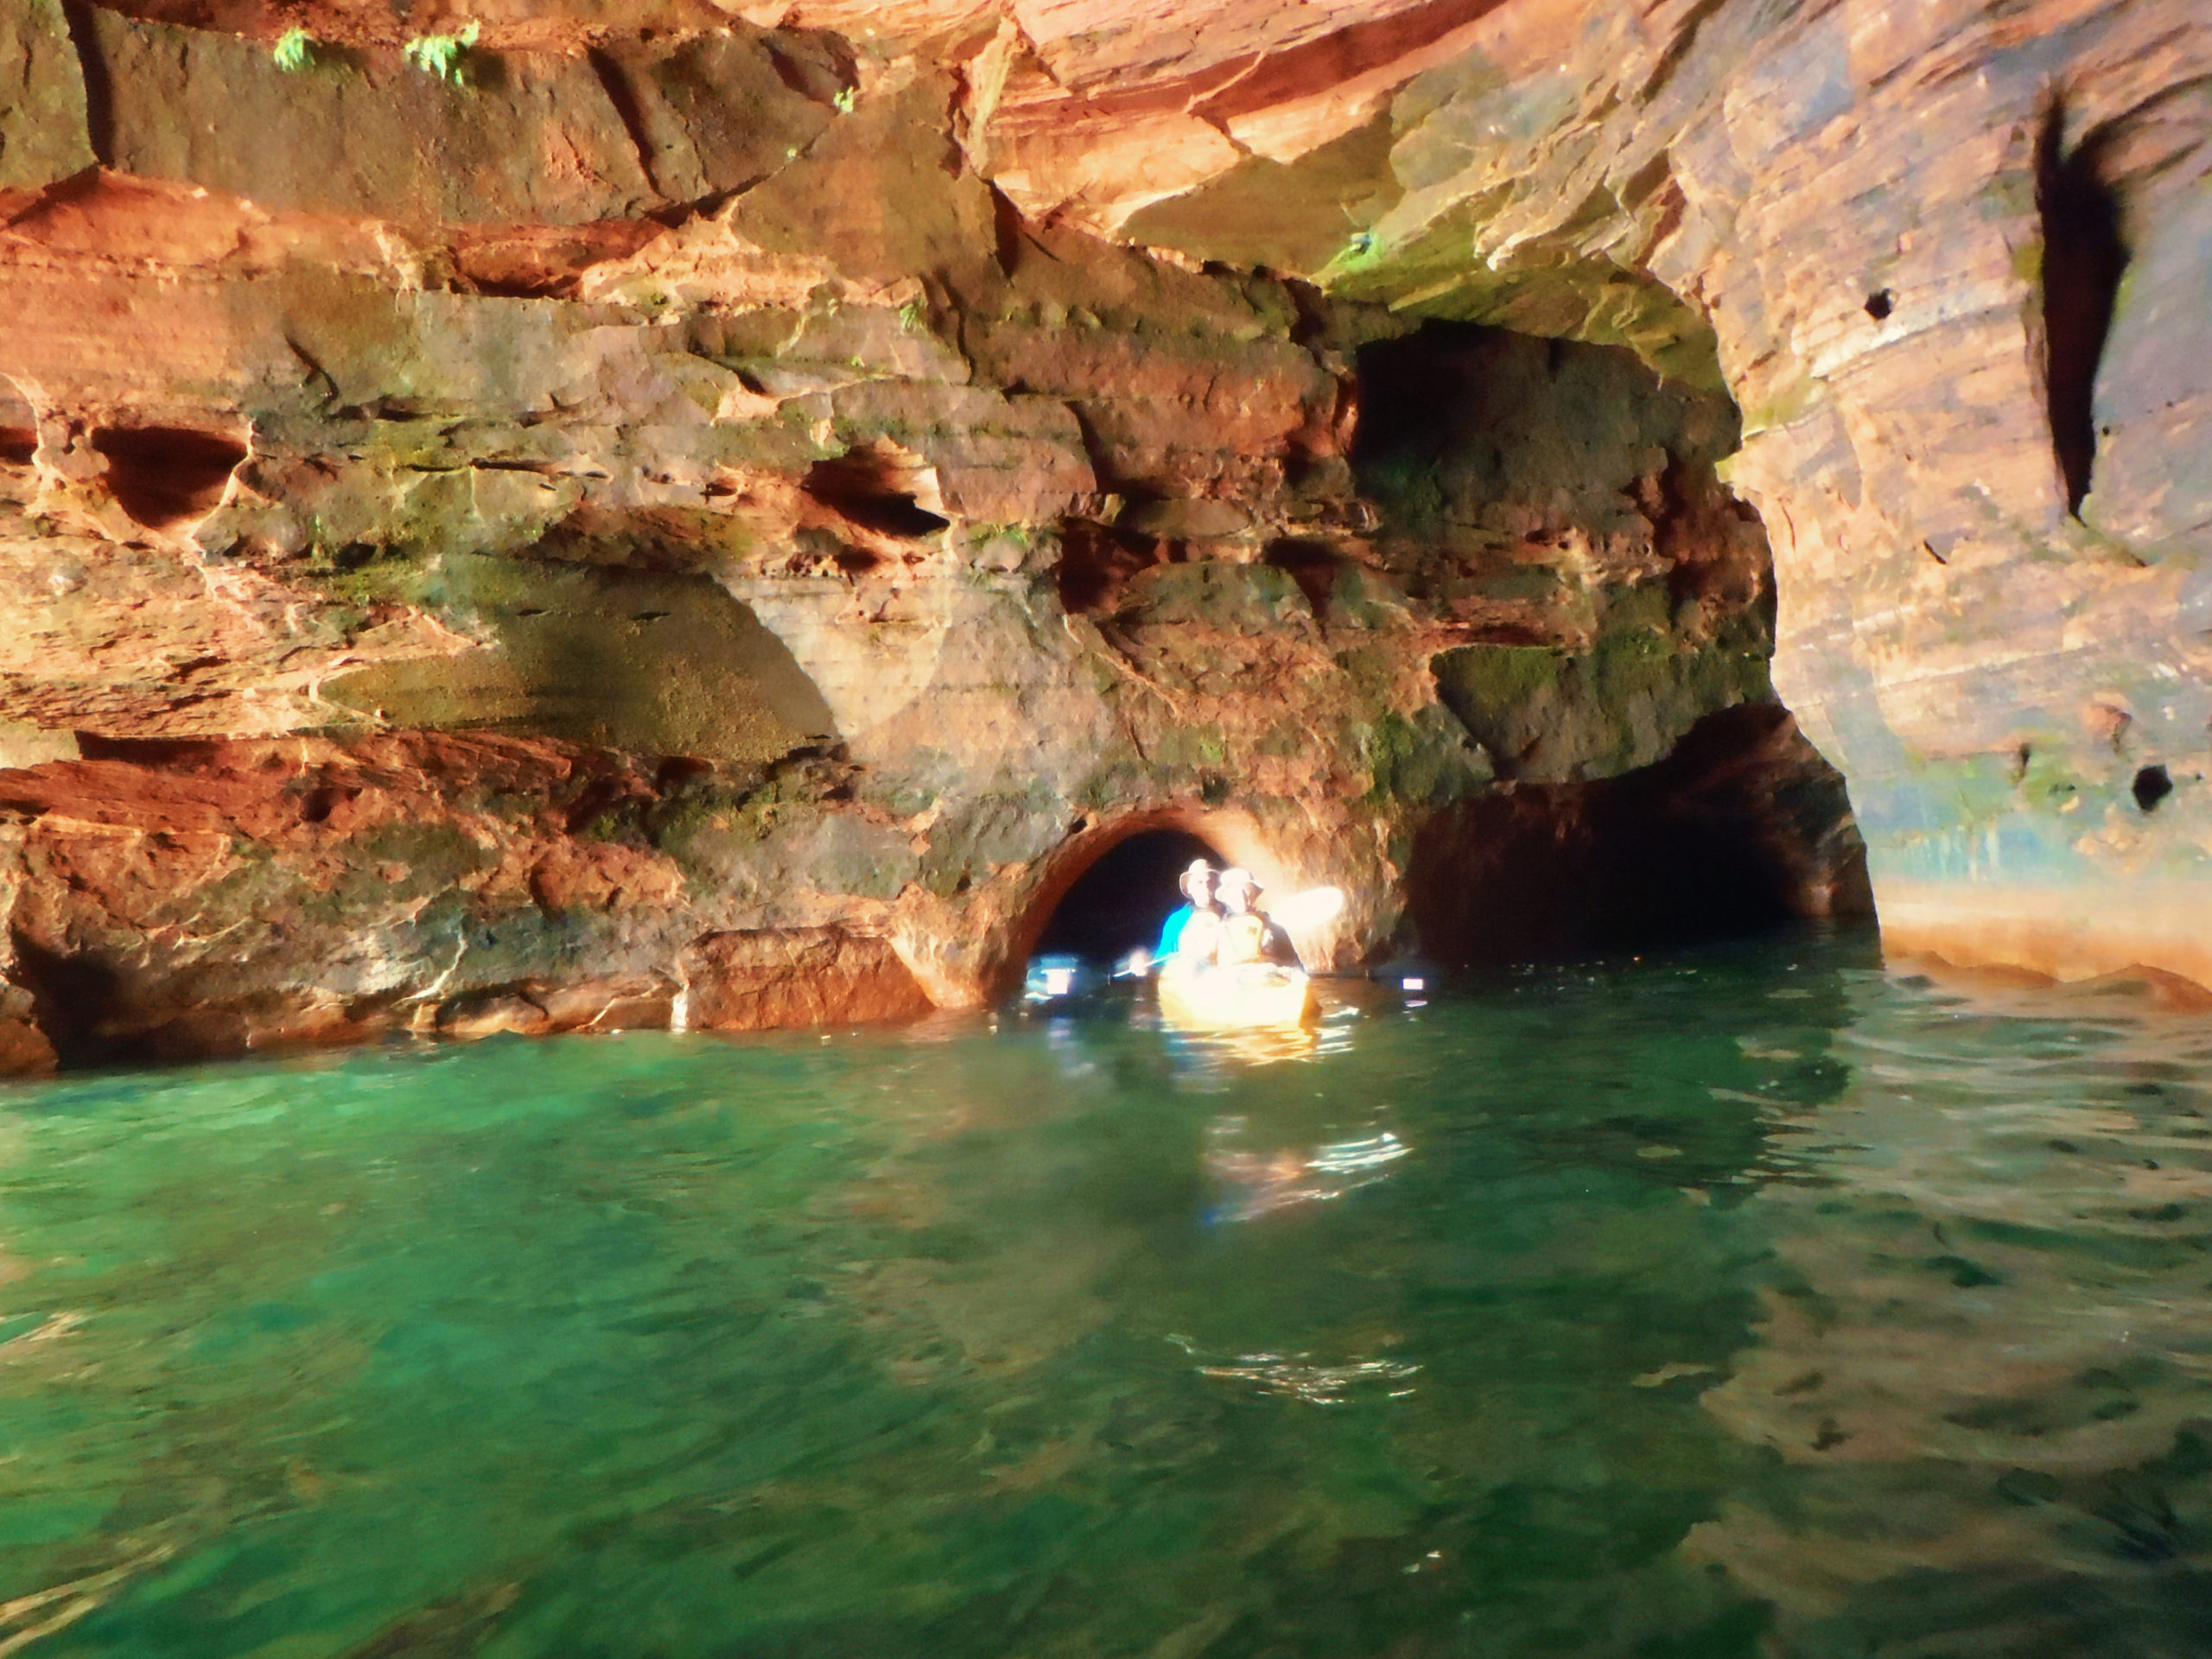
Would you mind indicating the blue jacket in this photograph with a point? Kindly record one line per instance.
(1171, 934)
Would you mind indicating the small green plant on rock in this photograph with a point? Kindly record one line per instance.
(294, 51)
(844, 100)
(441, 55)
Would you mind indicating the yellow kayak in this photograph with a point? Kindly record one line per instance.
(1204, 996)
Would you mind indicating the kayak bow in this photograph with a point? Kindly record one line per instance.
(1206, 997)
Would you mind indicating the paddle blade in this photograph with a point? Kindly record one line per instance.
(1310, 907)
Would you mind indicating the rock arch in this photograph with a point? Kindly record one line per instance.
(1231, 837)
(1117, 904)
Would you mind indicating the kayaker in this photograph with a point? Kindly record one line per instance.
(1248, 934)
(1197, 885)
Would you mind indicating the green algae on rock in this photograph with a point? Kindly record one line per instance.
(687, 443)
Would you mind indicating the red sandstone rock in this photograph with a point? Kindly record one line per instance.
(797, 976)
(492, 1016)
(753, 436)
(635, 1002)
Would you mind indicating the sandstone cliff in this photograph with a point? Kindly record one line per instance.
(1950, 261)
(699, 493)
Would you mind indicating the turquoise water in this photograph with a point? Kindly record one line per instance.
(1749, 1302)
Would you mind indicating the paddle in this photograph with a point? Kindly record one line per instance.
(1308, 908)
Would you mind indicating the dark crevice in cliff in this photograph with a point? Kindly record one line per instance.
(2152, 785)
(1117, 905)
(1408, 388)
(1313, 566)
(624, 97)
(2083, 259)
(99, 94)
(1098, 562)
(1095, 449)
(1012, 242)
(167, 475)
(1495, 462)
(1678, 49)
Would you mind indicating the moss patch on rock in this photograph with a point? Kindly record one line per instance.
(1550, 716)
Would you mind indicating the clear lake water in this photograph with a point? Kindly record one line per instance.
(1745, 1301)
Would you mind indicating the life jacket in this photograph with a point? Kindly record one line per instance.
(1200, 939)
(1244, 937)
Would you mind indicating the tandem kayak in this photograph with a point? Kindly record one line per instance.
(1206, 997)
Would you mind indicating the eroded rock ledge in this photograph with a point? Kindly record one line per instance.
(720, 515)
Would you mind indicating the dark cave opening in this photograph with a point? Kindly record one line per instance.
(1416, 395)
(1117, 905)
(1098, 562)
(1482, 450)
(1485, 452)
(1452, 415)
(18, 427)
(1723, 839)
(1313, 566)
(167, 475)
(72, 994)
(866, 489)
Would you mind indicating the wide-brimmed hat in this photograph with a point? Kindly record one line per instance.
(1198, 868)
(1237, 876)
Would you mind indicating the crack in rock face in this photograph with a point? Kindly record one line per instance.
(788, 487)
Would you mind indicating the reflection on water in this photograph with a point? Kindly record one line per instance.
(1984, 1354)
(1746, 1303)
(1257, 1182)
(1317, 1385)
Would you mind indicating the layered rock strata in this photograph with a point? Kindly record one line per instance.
(1949, 259)
(646, 530)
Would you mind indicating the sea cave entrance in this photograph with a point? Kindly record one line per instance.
(1117, 904)
(1741, 831)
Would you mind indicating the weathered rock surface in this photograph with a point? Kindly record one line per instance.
(721, 516)
(796, 977)
(1950, 261)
